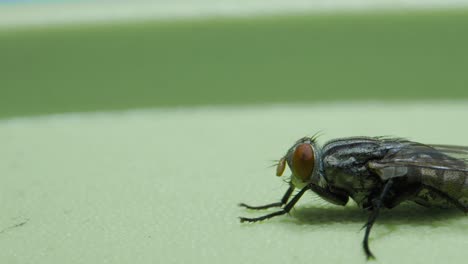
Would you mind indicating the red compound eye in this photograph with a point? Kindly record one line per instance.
(280, 167)
(303, 162)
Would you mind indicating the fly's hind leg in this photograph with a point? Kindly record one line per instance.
(377, 203)
(283, 201)
(405, 192)
(450, 199)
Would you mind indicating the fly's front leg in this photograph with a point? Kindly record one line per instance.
(283, 201)
(283, 211)
(376, 205)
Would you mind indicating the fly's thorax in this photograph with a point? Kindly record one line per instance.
(304, 160)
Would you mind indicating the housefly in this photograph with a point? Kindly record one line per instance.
(376, 172)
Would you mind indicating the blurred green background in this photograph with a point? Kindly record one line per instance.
(277, 59)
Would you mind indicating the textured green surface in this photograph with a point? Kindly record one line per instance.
(234, 61)
(162, 187)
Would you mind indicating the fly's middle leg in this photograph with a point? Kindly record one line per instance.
(377, 203)
(283, 201)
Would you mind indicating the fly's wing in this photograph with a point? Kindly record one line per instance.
(459, 152)
(403, 158)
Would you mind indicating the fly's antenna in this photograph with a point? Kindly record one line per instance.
(275, 163)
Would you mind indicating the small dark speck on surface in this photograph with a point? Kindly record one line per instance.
(6, 229)
(67, 211)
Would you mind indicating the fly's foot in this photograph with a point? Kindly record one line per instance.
(370, 256)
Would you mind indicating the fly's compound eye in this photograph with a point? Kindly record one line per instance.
(280, 167)
(303, 162)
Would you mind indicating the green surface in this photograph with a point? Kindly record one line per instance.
(399, 56)
(161, 186)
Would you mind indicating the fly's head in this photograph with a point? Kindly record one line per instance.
(303, 158)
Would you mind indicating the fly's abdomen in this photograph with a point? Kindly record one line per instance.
(452, 183)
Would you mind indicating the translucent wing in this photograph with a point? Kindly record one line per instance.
(407, 155)
(459, 152)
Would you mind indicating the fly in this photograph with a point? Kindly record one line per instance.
(376, 172)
